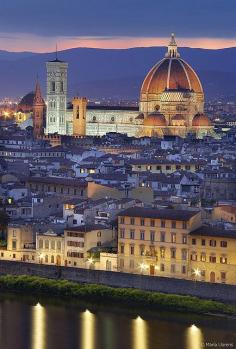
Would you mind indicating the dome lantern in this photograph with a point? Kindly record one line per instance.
(172, 48)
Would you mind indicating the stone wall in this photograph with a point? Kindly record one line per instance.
(221, 292)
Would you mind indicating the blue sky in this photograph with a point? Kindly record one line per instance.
(27, 22)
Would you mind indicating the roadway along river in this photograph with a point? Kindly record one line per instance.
(43, 324)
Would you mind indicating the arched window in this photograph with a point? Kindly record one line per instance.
(94, 118)
(112, 119)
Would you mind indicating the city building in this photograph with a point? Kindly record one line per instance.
(171, 103)
(155, 241)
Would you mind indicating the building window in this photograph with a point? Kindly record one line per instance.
(203, 273)
(131, 264)
(152, 235)
(223, 244)
(142, 235)
(184, 239)
(193, 256)
(122, 233)
(172, 268)
(14, 244)
(52, 245)
(52, 259)
(99, 234)
(40, 243)
(173, 253)
(173, 238)
(132, 234)
(203, 257)
(53, 86)
(163, 236)
(223, 276)
(99, 243)
(203, 242)
(132, 221)
(142, 222)
(58, 245)
(184, 269)
(142, 250)
(46, 245)
(162, 252)
(184, 254)
(212, 243)
(173, 224)
(163, 224)
(122, 220)
(152, 223)
(184, 225)
(132, 249)
(162, 267)
(122, 249)
(46, 258)
(193, 241)
(121, 263)
(223, 260)
(212, 259)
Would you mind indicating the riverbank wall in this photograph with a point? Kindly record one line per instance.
(219, 292)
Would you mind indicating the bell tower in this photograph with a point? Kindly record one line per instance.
(56, 96)
(79, 116)
(38, 112)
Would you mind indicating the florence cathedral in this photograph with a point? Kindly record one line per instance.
(171, 103)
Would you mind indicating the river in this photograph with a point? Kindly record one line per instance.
(38, 324)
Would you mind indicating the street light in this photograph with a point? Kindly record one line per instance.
(197, 272)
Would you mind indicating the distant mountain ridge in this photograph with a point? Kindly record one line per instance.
(116, 73)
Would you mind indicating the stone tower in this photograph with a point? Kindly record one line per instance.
(38, 112)
(56, 96)
(79, 116)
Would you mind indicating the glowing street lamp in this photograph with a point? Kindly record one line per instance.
(197, 272)
(143, 267)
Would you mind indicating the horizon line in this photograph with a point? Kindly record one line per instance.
(36, 44)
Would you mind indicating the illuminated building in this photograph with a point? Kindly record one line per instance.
(56, 97)
(171, 103)
(38, 112)
(173, 243)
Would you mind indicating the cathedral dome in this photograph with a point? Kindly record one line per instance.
(201, 120)
(155, 119)
(171, 74)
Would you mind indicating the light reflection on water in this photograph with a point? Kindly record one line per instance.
(88, 330)
(38, 327)
(66, 326)
(139, 334)
(194, 338)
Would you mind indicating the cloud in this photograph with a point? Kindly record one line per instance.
(135, 18)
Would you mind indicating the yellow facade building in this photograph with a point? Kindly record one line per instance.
(212, 254)
(155, 242)
(174, 243)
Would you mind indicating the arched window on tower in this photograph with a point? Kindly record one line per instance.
(53, 86)
(77, 113)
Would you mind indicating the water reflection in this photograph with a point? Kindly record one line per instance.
(194, 338)
(140, 333)
(88, 330)
(38, 327)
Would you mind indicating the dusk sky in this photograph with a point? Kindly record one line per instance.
(39, 25)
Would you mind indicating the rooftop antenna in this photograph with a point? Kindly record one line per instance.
(56, 51)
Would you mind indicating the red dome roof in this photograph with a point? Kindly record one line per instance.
(201, 120)
(155, 119)
(171, 74)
